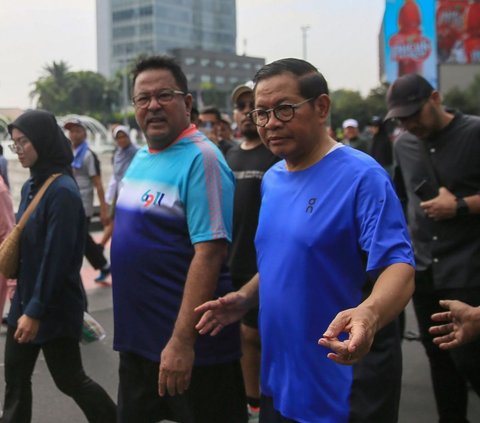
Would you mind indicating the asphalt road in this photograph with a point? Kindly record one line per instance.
(100, 361)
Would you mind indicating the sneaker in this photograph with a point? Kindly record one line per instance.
(253, 414)
(103, 275)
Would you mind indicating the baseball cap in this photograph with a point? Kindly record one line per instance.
(226, 118)
(120, 128)
(406, 95)
(350, 123)
(74, 122)
(242, 89)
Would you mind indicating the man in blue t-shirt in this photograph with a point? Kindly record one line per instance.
(329, 217)
(173, 223)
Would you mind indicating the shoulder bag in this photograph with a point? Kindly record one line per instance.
(10, 247)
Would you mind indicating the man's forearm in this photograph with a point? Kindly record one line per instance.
(250, 290)
(473, 202)
(391, 293)
(200, 285)
(97, 182)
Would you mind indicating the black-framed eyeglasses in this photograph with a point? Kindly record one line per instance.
(283, 112)
(142, 101)
(18, 146)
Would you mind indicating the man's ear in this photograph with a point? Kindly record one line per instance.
(322, 104)
(436, 97)
(188, 103)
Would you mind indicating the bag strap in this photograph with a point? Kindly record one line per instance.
(38, 196)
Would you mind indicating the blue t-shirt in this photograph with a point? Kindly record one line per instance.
(319, 231)
(168, 201)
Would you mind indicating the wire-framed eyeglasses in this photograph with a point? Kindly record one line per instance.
(142, 101)
(18, 146)
(283, 112)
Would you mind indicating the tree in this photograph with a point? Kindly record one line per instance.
(468, 100)
(51, 89)
(347, 104)
(84, 92)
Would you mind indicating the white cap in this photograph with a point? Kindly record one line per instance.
(350, 123)
(121, 128)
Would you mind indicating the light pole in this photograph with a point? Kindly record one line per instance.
(304, 39)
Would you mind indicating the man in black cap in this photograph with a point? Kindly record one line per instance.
(438, 170)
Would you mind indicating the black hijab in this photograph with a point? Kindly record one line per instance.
(53, 148)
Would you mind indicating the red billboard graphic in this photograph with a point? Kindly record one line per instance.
(458, 31)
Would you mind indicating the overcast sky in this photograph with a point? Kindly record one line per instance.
(342, 39)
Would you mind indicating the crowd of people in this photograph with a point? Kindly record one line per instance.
(255, 277)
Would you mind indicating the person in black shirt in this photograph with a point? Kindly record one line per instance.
(438, 169)
(249, 161)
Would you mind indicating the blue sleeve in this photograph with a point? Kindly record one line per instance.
(383, 233)
(209, 198)
(63, 212)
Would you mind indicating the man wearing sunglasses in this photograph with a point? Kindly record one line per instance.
(438, 170)
(249, 161)
(329, 215)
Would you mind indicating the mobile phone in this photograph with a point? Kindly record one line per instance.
(425, 191)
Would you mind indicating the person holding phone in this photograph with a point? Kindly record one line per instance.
(438, 172)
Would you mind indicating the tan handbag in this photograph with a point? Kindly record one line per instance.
(10, 247)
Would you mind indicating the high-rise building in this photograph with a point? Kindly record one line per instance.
(127, 28)
(187, 29)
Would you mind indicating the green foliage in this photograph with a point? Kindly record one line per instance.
(62, 91)
(350, 104)
(467, 101)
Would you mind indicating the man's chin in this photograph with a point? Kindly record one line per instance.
(157, 140)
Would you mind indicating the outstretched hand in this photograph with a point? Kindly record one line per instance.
(461, 324)
(221, 312)
(360, 325)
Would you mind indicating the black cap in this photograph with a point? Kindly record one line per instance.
(406, 95)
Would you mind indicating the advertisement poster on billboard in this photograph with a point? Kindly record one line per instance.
(458, 31)
(410, 39)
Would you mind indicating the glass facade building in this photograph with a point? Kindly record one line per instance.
(201, 34)
(127, 28)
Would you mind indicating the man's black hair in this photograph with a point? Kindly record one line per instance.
(162, 62)
(212, 110)
(311, 83)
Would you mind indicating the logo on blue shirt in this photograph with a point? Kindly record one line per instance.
(310, 205)
(152, 198)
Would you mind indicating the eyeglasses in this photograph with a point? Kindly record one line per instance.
(207, 126)
(142, 101)
(241, 105)
(283, 112)
(18, 146)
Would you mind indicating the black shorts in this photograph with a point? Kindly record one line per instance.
(216, 394)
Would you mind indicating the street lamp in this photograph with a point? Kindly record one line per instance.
(304, 39)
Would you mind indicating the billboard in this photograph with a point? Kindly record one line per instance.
(410, 39)
(458, 31)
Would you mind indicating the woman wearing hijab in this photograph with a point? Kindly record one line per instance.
(47, 309)
(123, 156)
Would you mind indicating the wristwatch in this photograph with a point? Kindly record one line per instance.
(462, 207)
